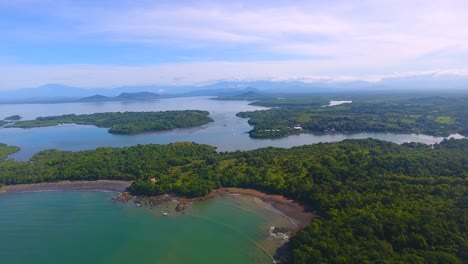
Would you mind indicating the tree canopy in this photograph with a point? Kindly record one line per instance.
(437, 116)
(378, 201)
(127, 122)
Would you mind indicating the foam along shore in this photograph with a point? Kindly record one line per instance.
(99, 185)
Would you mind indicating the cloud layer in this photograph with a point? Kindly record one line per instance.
(93, 44)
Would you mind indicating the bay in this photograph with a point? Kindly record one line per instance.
(85, 227)
(227, 132)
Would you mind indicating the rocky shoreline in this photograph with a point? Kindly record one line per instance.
(298, 214)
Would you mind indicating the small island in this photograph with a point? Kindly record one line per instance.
(10, 119)
(126, 123)
(13, 118)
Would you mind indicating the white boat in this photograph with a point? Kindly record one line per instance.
(165, 214)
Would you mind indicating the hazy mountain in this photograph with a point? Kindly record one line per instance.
(136, 96)
(428, 82)
(46, 91)
(95, 98)
(60, 93)
(121, 97)
(223, 91)
(249, 95)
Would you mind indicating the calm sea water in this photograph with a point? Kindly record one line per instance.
(86, 227)
(227, 133)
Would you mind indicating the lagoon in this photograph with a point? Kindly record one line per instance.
(227, 132)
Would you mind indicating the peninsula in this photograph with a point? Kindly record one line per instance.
(126, 122)
(434, 116)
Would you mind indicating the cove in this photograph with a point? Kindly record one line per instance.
(86, 227)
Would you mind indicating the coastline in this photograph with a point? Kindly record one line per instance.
(99, 185)
(296, 213)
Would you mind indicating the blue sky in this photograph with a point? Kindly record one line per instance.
(111, 43)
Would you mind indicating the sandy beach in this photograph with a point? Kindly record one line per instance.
(294, 211)
(100, 185)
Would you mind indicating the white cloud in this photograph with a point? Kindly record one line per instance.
(347, 38)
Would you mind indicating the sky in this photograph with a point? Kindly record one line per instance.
(106, 44)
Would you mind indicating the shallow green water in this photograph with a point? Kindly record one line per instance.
(86, 227)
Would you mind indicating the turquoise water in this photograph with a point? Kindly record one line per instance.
(227, 133)
(86, 227)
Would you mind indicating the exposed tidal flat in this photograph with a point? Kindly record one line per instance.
(227, 132)
(86, 227)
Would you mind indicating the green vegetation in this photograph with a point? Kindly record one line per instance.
(9, 119)
(293, 101)
(445, 120)
(127, 122)
(7, 150)
(379, 202)
(435, 116)
(13, 118)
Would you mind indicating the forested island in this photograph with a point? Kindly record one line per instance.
(126, 122)
(377, 201)
(13, 118)
(9, 119)
(436, 116)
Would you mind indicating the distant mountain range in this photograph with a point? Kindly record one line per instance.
(59, 93)
(121, 97)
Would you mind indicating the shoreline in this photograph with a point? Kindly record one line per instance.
(296, 213)
(99, 185)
